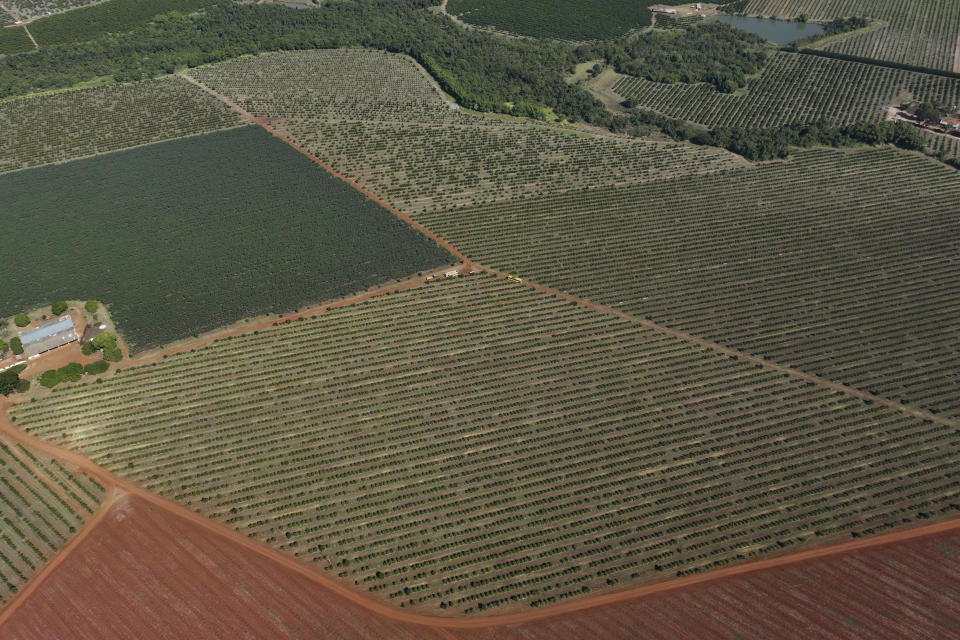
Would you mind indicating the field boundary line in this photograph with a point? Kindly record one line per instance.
(39, 577)
(260, 121)
(769, 365)
(119, 487)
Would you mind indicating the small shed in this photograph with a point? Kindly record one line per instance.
(47, 336)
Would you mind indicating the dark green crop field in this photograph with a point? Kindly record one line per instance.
(185, 236)
(14, 40)
(564, 19)
(112, 16)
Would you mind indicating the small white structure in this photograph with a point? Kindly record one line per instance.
(670, 12)
(451, 274)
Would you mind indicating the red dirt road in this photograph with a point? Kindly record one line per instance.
(146, 573)
(258, 552)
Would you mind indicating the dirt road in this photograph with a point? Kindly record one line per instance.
(116, 483)
(385, 609)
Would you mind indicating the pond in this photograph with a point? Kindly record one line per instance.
(776, 31)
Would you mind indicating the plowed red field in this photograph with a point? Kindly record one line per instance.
(144, 573)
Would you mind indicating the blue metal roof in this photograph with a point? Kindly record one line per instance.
(46, 330)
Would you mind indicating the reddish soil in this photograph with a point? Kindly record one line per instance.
(148, 573)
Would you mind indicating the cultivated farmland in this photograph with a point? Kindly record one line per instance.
(564, 19)
(395, 134)
(918, 33)
(37, 8)
(192, 234)
(476, 445)
(14, 40)
(42, 504)
(165, 577)
(840, 263)
(66, 125)
(947, 146)
(794, 88)
(110, 16)
(334, 85)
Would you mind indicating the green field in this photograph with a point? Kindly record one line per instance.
(36, 8)
(72, 124)
(36, 520)
(376, 118)
(562, 19)
(14, 40)
(839, 263)
(794, 89)
(477, 446)
(185, 236)
(111, 16)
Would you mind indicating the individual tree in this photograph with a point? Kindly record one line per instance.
(16, 346)
(87, 349)
(3, 347)
(8, 382)
(21, 320)
(926, 112)
(58, 307)
(91, 306)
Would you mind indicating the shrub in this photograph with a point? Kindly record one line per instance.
(91, 306)
(49, 378)
(3, 347)
(87, 349)
(96, 368)
(21, 320)
(71, 372)
(23, 386)
(58, 307)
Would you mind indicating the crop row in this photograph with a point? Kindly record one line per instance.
(37, 519)
(37, 8)
(944, 146)
(794, 88)
(841, 263)
(338, 84)
(474, 444)
(421, 167)
(422, 162)
(72, 124)
(923, 34)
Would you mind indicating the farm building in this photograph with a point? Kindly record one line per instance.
(669, 12)
(92, 331)
(951, 123)
(47, 336)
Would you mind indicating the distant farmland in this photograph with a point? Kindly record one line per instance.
(476, 446)
(185, 236)
(839, 263)
(564, 19)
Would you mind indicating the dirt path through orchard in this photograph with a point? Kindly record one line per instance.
(10, 13)
(34, 583)
(115, 483)
(42, 475)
